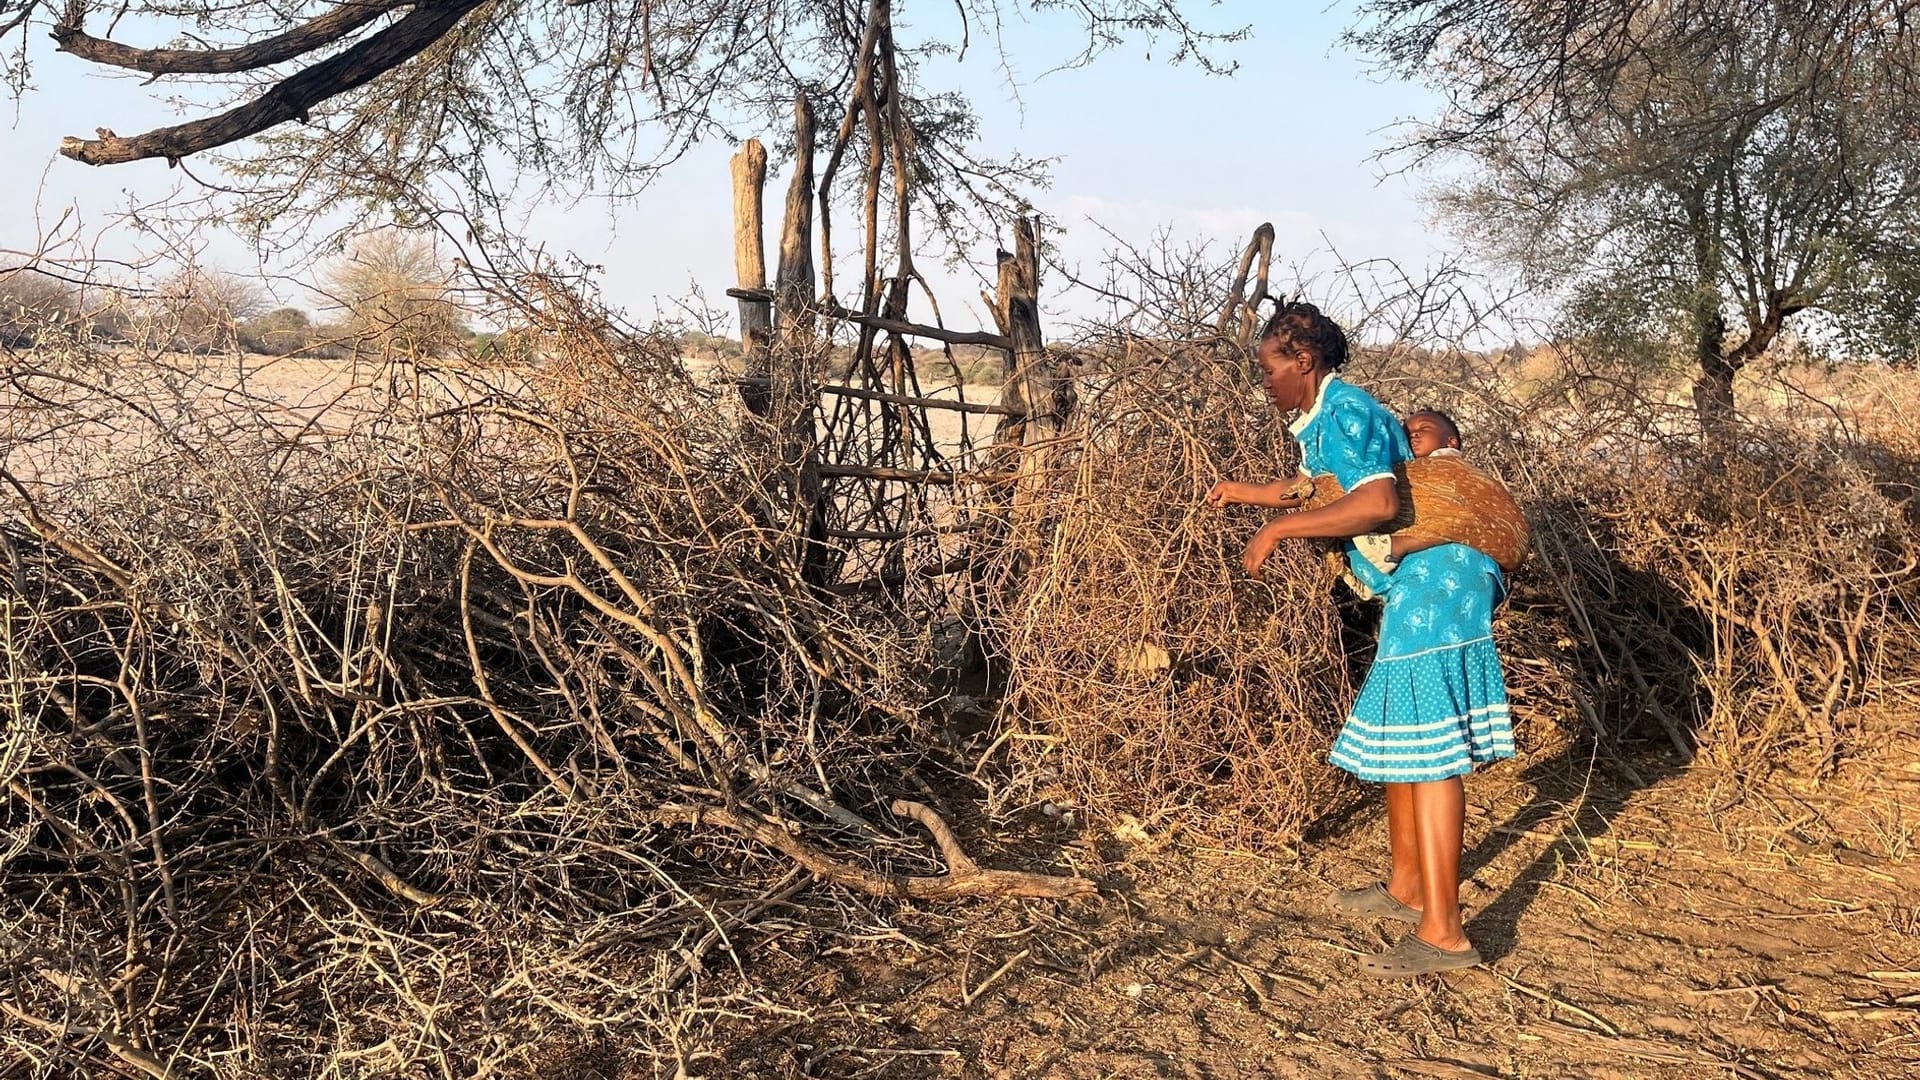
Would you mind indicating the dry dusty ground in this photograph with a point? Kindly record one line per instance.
(1680, 924)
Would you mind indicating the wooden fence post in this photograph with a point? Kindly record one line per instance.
(793, 290)
(1036, 380)
(750, 267)
(1035, 401)
(794, 384)
(1242, 311)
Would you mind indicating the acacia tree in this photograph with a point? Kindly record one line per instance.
(373, 103)
(200, 310)
(396, 293)
(1696, 176)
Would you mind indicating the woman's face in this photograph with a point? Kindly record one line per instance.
(1286, 374)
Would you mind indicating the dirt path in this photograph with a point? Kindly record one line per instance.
(1679, 926)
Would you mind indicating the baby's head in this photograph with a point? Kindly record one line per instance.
(1429, 430)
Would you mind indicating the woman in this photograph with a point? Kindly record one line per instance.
(1434, 704)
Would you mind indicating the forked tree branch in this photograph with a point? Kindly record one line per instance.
(299, 41)
(290, 99)
(964, 877)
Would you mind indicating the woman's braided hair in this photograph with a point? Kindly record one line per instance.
(1297, 324)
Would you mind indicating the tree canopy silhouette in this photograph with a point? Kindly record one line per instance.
(1695, 176)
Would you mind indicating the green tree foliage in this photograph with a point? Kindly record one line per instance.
(280, 332)
(1690, 179)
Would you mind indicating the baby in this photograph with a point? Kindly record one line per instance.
(1430, 434)
(1444, 500)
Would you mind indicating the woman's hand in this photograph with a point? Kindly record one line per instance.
(1227, 493)
(1261, 547)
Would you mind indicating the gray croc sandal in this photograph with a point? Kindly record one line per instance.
(1374, 900)
(1414, 956)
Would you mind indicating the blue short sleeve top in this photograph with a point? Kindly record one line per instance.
(1350, 435)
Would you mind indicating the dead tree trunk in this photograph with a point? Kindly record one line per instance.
(750, 267)
(1242, 311)
(793, 368)
(1035, 379)
(1036, 400)
(793, 291)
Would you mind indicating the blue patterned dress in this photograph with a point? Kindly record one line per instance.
(1435, 703)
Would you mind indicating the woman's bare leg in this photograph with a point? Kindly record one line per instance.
(1403, 840)
(1440, 820)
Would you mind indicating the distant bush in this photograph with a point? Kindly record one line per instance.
(280, 332)
(397, 295)
(507, 347)
(970, 365)
(112, 324)
(699, 343)
(200, 311)
(33, 305)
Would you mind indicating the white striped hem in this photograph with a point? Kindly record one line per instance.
(1435, 649)
(1441, 739)
(1369, 479)
(1477, 717)
(1428, 755)
(1437, 765)
(1450, 767)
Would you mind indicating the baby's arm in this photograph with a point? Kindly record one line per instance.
(1405, 545)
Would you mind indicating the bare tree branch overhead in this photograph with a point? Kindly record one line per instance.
(319, 33)
(291, 99)
(367, 103)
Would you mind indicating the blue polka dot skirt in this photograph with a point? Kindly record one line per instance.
(1435, 703)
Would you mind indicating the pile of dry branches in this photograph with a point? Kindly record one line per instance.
(403, 716)
(402, 719)
(1145, 672)
(1755, 602)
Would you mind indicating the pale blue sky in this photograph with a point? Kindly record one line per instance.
(1141, 146)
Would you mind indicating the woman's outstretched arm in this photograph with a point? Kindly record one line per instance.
(1367, 508)
(1274, 496)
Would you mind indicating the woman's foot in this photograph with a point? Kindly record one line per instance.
(1375, 901)
(1414, 956)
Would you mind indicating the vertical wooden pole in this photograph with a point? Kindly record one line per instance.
(1045, 391)
(1034, 384)
(1038, 387)
(795, 390)
(750, 267)
(1242, 309)
(793, 292)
